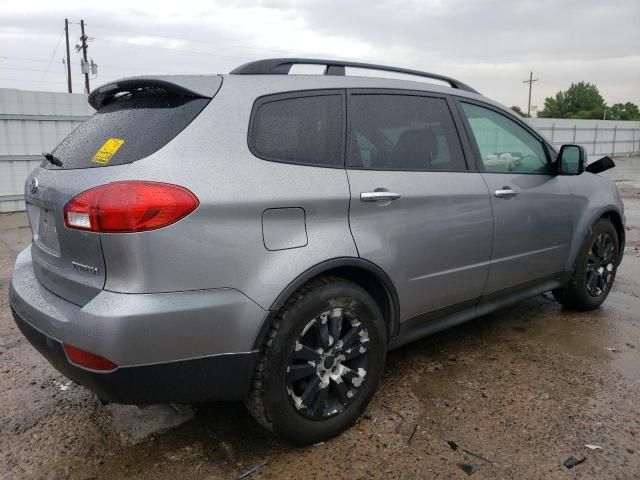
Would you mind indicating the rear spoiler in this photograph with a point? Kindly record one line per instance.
(197, 86)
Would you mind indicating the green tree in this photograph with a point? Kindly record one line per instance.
(580, 100)
(519, 111)
(623, 111)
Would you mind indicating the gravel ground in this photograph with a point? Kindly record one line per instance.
(516, 393)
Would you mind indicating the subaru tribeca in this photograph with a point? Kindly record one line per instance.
(268, 237)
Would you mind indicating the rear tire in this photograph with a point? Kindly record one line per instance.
(332, 336)
(595, 270)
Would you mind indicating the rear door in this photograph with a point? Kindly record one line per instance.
(531, 205)
(416, 210)
(131, 125)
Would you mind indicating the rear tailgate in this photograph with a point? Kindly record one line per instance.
(67, 262)
(135, 118)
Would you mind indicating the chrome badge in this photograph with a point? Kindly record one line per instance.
(33, 185)
(85, 268)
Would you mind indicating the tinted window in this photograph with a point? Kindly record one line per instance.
(504, 145)
(304, 130)
(139, 124)
(401, 132)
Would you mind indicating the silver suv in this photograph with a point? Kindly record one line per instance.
(268, 237)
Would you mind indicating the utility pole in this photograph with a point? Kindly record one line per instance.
(83, 39)
(530, 82)
(66, 33)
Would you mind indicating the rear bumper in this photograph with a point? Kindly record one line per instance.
(169, 347)
(219, 377)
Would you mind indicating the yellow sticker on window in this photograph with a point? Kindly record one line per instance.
(107, 151)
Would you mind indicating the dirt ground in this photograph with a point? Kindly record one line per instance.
(517, 393)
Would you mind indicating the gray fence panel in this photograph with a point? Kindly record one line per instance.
(35, 122)
(599, 137)
(32, 123)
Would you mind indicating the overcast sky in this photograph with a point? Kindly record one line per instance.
(490, 44)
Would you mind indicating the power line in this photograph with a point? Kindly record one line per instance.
(108, 67)
(180, 50)
(150, 34)
(31, 81)
(24, 59)
(130, 44)
(38, 70)
(84, 39)
(138, 69)
(133, 32)
(51, 58)
(37, 60)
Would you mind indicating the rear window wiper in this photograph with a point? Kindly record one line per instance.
(52, 159)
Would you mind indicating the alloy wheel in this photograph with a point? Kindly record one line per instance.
(328, 364)
(600, 265)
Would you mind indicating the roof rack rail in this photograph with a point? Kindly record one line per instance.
(281, 66)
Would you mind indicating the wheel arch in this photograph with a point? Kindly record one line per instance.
(616, 218)
(357, 270)
(610, 212)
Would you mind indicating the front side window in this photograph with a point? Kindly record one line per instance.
(504, 145)
(402, 132)
(303, 130)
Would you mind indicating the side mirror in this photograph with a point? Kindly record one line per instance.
(571, 160)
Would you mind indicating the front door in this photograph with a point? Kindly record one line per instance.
(416, 211)
(531, 205)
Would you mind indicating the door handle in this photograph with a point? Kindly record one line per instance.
(379, 196)
(506, 192)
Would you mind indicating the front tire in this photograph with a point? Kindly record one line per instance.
(595, 269)
(321, 362)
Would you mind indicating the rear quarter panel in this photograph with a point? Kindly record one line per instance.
(221, 243)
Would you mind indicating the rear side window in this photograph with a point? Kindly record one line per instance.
(403, 132)
(127, 129)
(303, 130)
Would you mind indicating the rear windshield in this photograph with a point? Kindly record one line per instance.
(129, 128)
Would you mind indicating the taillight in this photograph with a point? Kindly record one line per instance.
(88, 359)
(129, 206)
